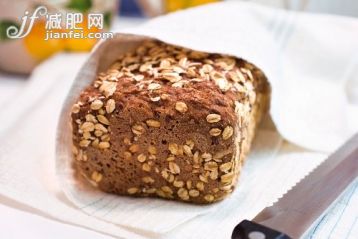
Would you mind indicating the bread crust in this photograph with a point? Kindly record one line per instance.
(169, 122)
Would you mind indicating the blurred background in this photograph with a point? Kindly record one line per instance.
(20, 56)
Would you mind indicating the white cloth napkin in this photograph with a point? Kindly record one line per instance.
(309, 67)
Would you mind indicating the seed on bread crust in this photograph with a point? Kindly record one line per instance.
(181, 107)
(215, 132)
(187, 150)
(174, 168)
(167, 189)
(154, 86)
(173, 148)
(96, 176)
(148, 180)
(146, 167)
(141, 158)
(127, 155)
(87, 127)
(213, 118)
(228, 132)
(152, 149)
(225, 166)
(183, 194)
(103, 119)
(96, 104)
(133, 190)
(178, 184)
(200, 186)
(209, 198)
(84, 143)
(76, 108)
(110, 106)
(138, 129)
(194, 193)
(227, 178)
(134, 148)
(108, 88)
(101, 128)
(104, 145)
(153, 123)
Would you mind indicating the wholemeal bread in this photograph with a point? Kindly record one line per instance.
(169, 122)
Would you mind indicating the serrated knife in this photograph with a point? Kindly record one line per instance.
(296, 212)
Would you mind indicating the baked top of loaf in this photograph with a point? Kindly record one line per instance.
(164, 120)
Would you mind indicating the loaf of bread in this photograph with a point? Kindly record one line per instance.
(165, 121)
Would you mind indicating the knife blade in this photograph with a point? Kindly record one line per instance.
(293, 215)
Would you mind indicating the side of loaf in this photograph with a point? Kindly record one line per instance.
(165, 121)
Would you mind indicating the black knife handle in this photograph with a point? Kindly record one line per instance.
(251, 230)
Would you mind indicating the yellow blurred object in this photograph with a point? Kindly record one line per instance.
(36, 44)
(82, 44)
(173, 5)
(194, 3)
